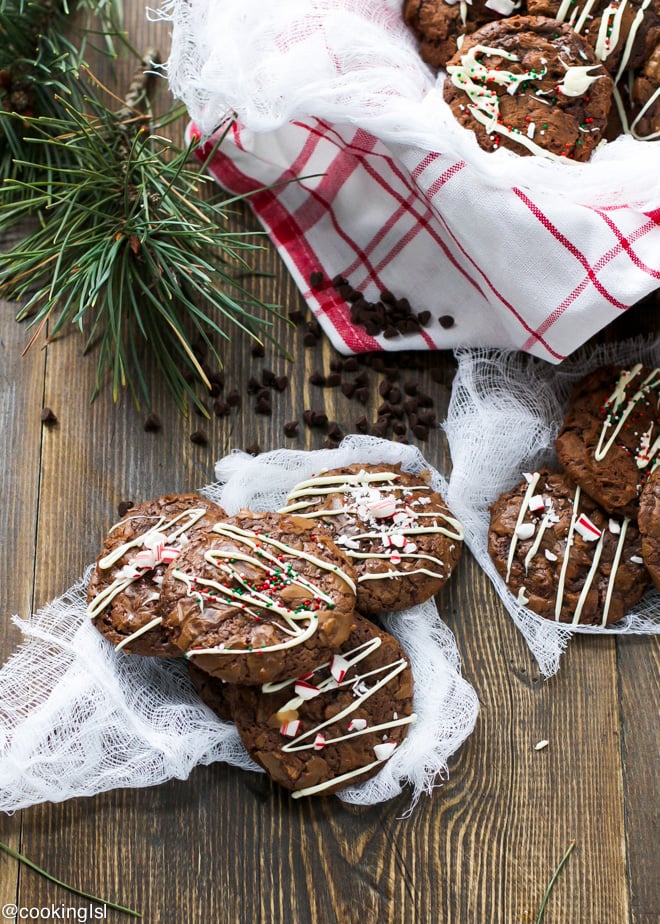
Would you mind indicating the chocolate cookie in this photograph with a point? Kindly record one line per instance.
(532, 85)
(439, 25)
(611, 434)
(211, 691)
(621, 32)
(124, 589)
(562, 555)
(335, 726)
(645, 123)
(259, 598)
(395, 528)
(649, 524)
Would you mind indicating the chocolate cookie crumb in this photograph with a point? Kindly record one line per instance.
(199, 437)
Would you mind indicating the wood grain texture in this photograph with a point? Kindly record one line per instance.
(226, 846)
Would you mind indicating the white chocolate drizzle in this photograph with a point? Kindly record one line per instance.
(616, 413)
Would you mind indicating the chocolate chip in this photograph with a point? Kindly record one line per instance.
(421, 431)
(410, 388)
(384, 388)
(337, 365)
(379, 429)
(317, 378)
(215, 389)
(233, 398)
(316, 279)
(345, 290)
(428, 418)
(296, 315)
(291, 428)
(253, 450)
(308, 417)
(263, 406)
(348, 388)
(424, 400)
(48, 417)
(330, 444)
(152, 423)
(310, 339)
(424, 318)
(385, 410)
(221, 408)
(333, 380)
(253, 385)
(315, 419)
(334, 430)
(124, 506)
(281, 382)
(351, 364)
(361, 379)
(217, 378)
(397, 410)
(394, 395)
(446, 321)
(362, 424)
(387, 297)
(390, 332)
(267, 377)
(199, 437)
(257, 349)
(362, 394)
(339, 281)
(399, 427)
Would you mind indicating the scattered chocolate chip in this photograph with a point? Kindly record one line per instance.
(385, 410)
(217, 378)
(316, 279)
(384, 388)
(387, 297)
(348, 388)
(124, 506)
(362, 424)
(257, 349)
(268, 377)
(215, 389)
(48, 417)
(334, 430)
(296, 315)
(315, 419)
(351, 364)
(199, 437)
(152, 423)
(233, 398)
(394, 395)
(253, 385)
(264, 407)
(339, 281)
(281, 382)
(379, 429)
(309, 339)
(427, 418)
(390, 332)
(361, 379)
(330, 444)
(410, 388)
(397, 410)
(424, 400)
(333, 380)
(424, 318)
(336, 365)
(446, 321)
(399, 427)
(291, 428)
(308, 417)
(221, 408)
(254, 449)
(421, 431)
(362, 394)
(317, 378)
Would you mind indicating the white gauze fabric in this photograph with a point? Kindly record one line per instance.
(78, 718)
(505, 412)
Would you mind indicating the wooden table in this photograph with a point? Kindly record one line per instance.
(226, 846)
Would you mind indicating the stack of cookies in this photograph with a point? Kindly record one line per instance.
(540, 76)
(274, 612)
(582, 545)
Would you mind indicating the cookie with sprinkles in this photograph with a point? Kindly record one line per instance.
(532, 85)
(610, 438)
(335, 726)
(440, 25)
(649, 524)
(259, 597)
(395, 528)
(562, 555)
(124, 589)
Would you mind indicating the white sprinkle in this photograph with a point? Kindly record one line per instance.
(536, 502)
(541, 744)
(384, 750)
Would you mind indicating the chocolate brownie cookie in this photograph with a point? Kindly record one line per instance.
(259, 598)
(645, 124)
(395, 528)
(649, 524)
(532, 85)
(440, 25)
(124, 589)
(562, 555)
(621, 32)
(211, 691)
(335, 726)
(611, 434)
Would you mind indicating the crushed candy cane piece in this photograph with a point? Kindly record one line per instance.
(319, 742)
(550, 555)
(588, 530)
(338, 667)
(306, 690)
(536, 502)
(525, 530)
(384, 750)
(395, 558)
(153, 538)
(382, 508)
(357, 725)
(290, 729)
(614, 526)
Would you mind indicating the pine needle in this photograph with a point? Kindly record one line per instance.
(92, 898)
(555, 876)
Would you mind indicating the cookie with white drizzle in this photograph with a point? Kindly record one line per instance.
(645, 118)
(124, 589)
(621, 32)
(562, 555)
(610, 438)
(531, 85)
(649, 524)
(335, 726)
(395, 528)
(441, 25)
(259, 597)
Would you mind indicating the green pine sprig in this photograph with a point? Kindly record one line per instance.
(127, 250)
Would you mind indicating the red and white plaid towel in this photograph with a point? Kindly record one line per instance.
(513, 268)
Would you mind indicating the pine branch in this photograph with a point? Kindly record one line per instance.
(127, 251)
